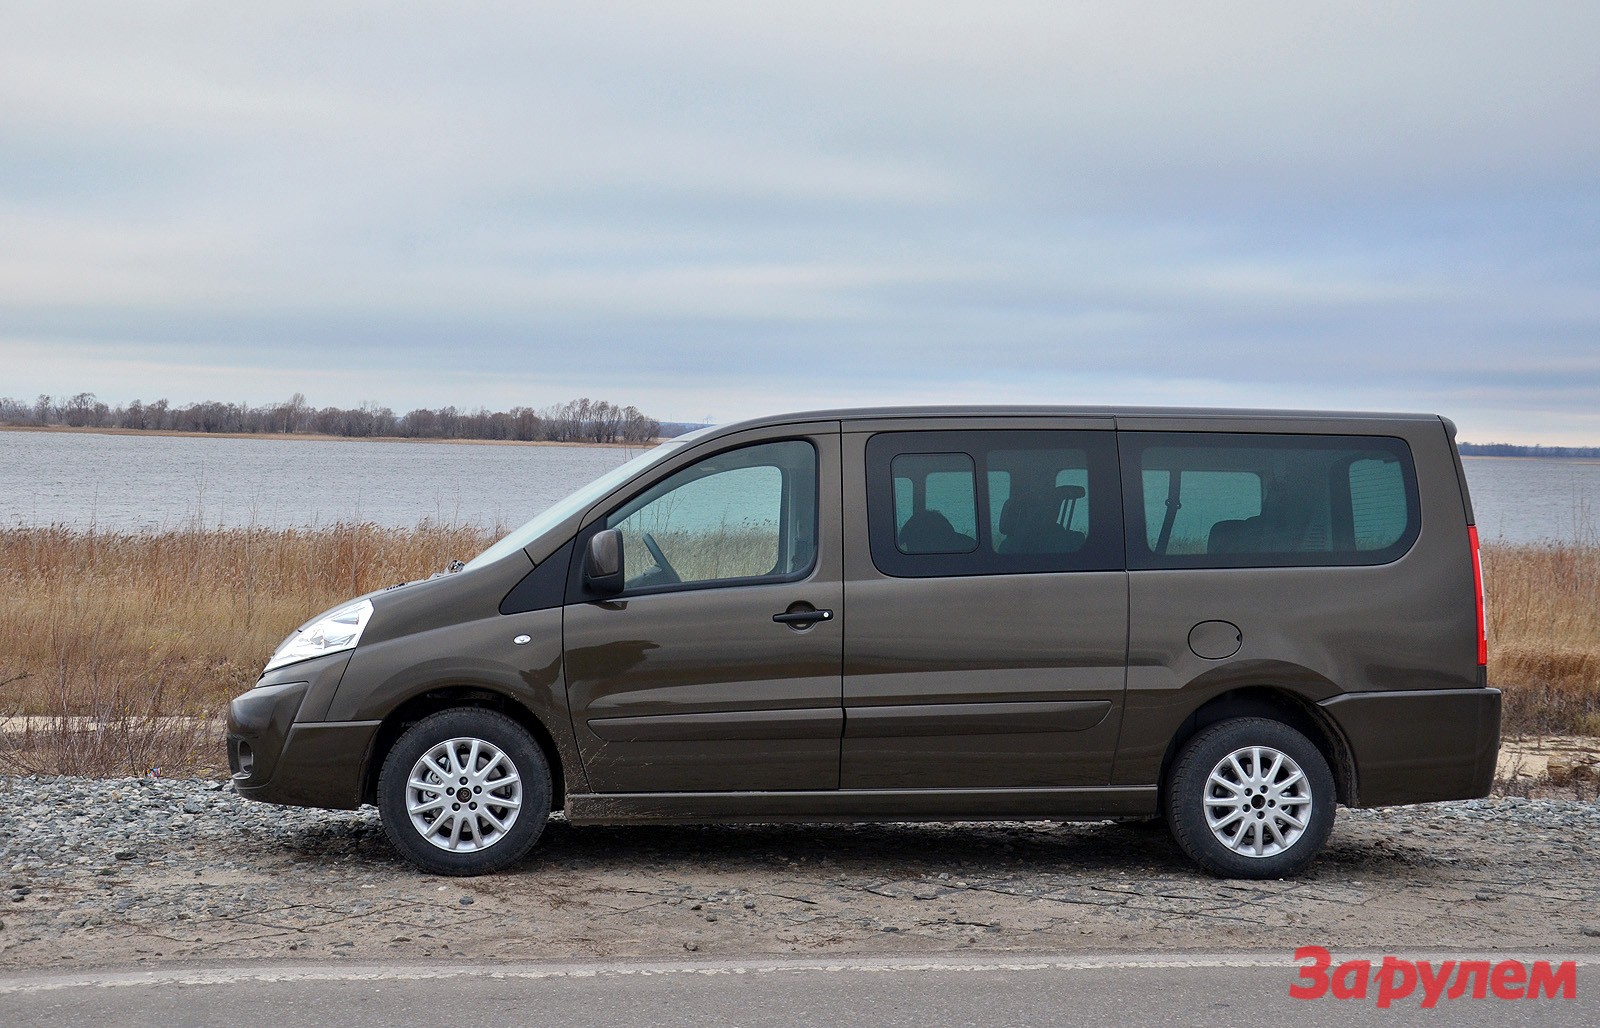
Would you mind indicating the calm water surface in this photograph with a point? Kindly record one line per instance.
(1521, 499)
(147, 483)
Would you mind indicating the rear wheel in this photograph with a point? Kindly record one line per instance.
(464, 792)
(1250, 798)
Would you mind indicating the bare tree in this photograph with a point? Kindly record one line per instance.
(580, 420)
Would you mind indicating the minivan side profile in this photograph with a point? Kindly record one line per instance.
(1233, 620)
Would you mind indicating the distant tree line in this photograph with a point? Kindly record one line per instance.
(585, 420)
(1512, 450)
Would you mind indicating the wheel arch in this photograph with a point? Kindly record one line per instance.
(1278, 704)
(454, 697)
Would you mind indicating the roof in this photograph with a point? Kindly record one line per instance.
(1026, 411)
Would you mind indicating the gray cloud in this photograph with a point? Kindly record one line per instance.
(727, 208)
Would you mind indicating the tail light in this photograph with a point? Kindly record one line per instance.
(1477, 587)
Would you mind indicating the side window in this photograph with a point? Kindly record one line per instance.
(749, 513)
(1204, 500)
(935, 503)
(1377, 503)
(993, 502)
(1257, 500)
(1039, 500)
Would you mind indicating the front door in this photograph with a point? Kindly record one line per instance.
(988, 609)
(685, 682)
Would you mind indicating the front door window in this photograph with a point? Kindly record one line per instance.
(748, 514)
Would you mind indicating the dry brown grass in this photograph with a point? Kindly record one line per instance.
(727, 553)
(108, 636)
(129, 646)
(1544, 635)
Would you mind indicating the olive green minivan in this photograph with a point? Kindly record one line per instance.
(1235, 620)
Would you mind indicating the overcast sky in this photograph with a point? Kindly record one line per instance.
(729, 209)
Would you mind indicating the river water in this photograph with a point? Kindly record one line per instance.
(143, 483)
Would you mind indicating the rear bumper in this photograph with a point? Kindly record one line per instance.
(277, 760)
(1419, 746)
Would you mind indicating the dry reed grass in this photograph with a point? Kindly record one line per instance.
(129, 646)
(726, 553)
(1544, 635)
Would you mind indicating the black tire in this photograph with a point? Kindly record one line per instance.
(499, 848)
(1258, 815)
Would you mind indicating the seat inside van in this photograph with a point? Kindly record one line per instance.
(928, 531)
(1036, 521)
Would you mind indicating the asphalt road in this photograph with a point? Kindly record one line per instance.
(1079, 991)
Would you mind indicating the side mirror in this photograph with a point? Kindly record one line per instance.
(602, 563)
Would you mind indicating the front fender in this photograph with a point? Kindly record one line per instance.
(479, 654)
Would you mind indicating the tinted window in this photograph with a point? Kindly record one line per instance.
(1039, 500)
(1378, 511)
(748, 513)
(1248, 500)
(993, 502)
(935, 503)
(1205, 499)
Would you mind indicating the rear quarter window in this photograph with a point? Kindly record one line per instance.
(1217, 500)
(1378, 509)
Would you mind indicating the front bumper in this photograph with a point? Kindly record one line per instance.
(279, 758)
(1419, 746)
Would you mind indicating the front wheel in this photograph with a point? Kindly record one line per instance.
(1250, 798)
(464, 792)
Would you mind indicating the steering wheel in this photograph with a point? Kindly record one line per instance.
(669, 573)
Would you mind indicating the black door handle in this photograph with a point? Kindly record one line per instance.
(802, 618)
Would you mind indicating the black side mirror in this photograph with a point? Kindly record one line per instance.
(602, 564)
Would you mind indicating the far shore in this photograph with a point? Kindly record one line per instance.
(314, 437)
(321, 438)
(1528, 456)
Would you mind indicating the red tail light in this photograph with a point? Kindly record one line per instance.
(1477, 585)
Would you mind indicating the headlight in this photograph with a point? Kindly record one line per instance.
(338, 630)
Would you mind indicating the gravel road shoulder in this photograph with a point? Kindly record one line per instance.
(102, 872)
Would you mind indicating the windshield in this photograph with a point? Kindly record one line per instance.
(578, 501)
